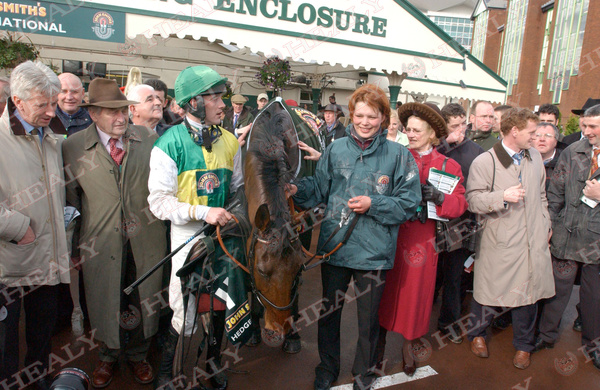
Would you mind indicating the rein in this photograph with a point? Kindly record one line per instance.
(305, 266)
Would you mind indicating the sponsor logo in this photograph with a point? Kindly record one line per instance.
(208, 182)
(103, 23)
(382, 184)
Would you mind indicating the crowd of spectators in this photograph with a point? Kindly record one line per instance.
(142, 172)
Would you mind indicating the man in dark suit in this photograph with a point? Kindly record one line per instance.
(573, 195)
(572, 138)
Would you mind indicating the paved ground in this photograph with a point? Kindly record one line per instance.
(563, 367)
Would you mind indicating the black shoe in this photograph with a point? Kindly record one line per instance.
(454, 337)
(364, 384)
(595, 356)
(541, 344)
(577, 324)
(322, 383)
(218, 381)
(255, 339)
(291, 346)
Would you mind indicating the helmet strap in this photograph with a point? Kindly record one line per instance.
(199, 112)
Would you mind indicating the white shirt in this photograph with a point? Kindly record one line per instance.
(104, 138)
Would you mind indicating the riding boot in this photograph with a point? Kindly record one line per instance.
(218, 378)
(165, 372)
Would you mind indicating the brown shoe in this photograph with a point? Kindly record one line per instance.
(479, 348)
(522, 359)
(103, 374)
(142, 372)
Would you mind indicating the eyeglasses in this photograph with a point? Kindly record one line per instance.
(546, 136)
(489, 117)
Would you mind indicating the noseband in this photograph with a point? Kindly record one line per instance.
(304, 267)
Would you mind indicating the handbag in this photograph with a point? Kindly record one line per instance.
(462, 232)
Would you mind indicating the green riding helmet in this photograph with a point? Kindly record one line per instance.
(197, 80)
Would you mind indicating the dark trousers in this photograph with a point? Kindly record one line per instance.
(40, 305)
(368, 290)
(565, 272)
(452, 264)
(523, 320)
(132, 337)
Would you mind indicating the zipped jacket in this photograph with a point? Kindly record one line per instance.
(387, 173)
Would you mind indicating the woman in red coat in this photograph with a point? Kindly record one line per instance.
(408, 295)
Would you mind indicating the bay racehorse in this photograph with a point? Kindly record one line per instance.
(275, 256)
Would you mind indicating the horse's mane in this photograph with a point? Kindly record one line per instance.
(270, 143)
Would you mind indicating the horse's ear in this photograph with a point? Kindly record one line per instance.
(263, 217)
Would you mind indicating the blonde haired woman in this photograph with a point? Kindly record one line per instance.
(394, 133)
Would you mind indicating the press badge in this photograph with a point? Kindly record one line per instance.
(589, 202)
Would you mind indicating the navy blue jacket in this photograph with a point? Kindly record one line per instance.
(73, 123)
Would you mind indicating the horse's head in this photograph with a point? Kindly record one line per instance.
(273, 159)
(277, 258)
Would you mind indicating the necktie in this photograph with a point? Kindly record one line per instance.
(116, 153)
(594, 162)
(235, 118)
(517, 157)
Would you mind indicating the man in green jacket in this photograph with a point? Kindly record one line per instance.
(482, 120)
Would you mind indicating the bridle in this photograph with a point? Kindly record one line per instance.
(305, 266)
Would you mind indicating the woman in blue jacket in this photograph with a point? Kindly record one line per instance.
(367, 177)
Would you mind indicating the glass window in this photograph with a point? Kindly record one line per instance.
(571, 17)
(540, 83)
(513, 42)
(455, 27)
(480, 35)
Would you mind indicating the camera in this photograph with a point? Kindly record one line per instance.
(70, 379)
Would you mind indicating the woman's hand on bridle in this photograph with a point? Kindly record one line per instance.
(360, 204)
(313, 154)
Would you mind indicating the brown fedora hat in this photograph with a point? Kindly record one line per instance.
(588, 104)
(105, 93)
(428, 112)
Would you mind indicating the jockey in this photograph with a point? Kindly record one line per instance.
(193, 168)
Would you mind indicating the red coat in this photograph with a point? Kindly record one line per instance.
(406, 304)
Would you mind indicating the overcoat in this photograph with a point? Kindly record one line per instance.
(576, 226)
(32, 194)
(114, 208)
(513, 266)
(407, 299)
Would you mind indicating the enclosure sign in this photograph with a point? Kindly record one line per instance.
(35, 17)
